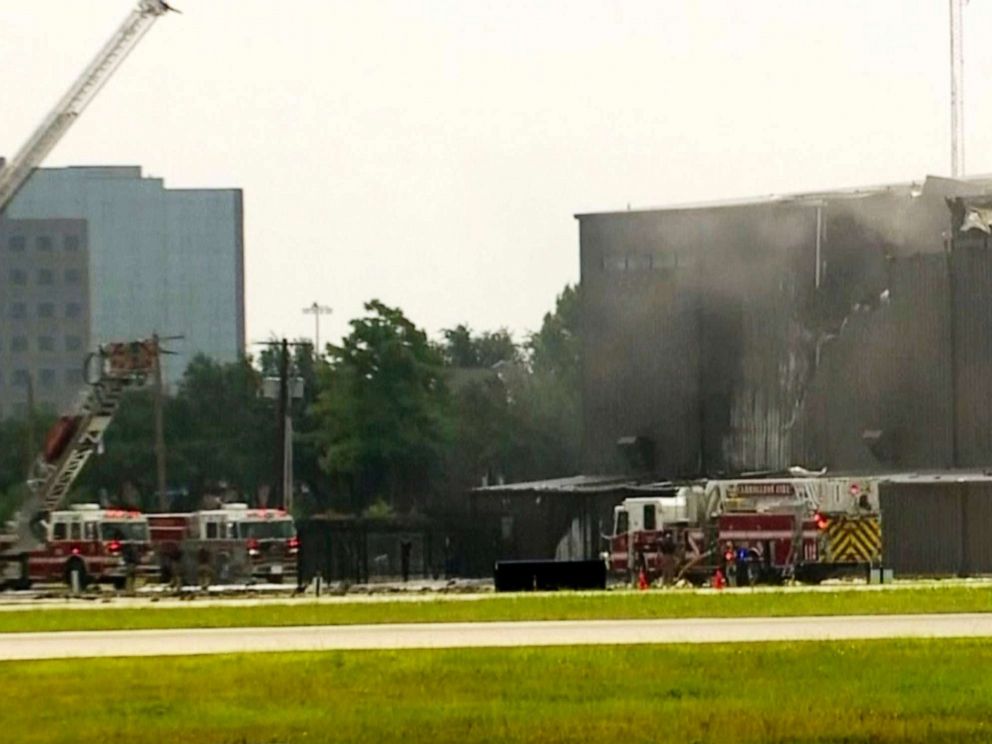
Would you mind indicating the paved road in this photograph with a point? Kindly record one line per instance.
(465, 635)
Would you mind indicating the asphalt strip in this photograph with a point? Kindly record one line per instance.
(181, 642)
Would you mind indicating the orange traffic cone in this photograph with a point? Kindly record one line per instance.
(642, 580)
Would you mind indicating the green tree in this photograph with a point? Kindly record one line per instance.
(463, 349)
(518, 420)
(217, 429)
(551, 399)
(222, 428)
(382, 411)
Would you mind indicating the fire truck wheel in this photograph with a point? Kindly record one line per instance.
(76, 565)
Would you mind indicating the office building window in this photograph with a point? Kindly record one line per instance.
(71, 243)
(45, 276)
(19, 344)
(73, 310)
(21, 377)
(74, 376)
(18, 310)
(43, 243)
(18, 277)
(46, 343)
(16, 243)
(47, 378)
(73, 276)
(73, 343)
(46, 309)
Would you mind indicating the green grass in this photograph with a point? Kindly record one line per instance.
(872, 691)
(564, 606)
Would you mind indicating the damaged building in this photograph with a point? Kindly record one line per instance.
(849, 329)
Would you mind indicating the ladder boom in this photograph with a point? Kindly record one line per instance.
(83, 90)
(118, 367)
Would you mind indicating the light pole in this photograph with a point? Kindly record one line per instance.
(957, 89)
(316, 310)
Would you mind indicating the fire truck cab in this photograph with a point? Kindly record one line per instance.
(98, 545)
(644, 527)
(231, 544)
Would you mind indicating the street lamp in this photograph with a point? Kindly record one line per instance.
(316, 310)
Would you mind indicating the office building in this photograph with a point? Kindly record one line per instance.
(161, 260)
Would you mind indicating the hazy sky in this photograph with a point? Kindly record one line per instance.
(432, 153)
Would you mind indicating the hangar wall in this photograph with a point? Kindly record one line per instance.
(834, 329)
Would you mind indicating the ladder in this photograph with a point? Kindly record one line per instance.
(120, 368)
(80, 93)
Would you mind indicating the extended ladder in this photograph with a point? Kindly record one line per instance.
(119, 367)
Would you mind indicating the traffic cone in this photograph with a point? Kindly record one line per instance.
(642, 580)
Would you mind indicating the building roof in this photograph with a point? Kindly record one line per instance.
(572, 484)
(810, 198)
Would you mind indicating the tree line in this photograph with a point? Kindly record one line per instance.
(390, 420)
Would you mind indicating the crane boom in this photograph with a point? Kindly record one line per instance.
(83, 90)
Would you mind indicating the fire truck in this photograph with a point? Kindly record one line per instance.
(81, 544)
(753, 529)
(113, 369)
(232, 544)
(97, 545)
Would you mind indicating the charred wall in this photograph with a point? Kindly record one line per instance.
(834, 329)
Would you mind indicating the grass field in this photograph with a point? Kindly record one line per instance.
(564, 606)
(876, 691)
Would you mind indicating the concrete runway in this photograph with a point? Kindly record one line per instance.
(473, 635)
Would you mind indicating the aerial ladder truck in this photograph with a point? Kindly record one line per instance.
(115, 367)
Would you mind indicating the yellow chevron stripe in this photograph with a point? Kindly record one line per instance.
(854, 539)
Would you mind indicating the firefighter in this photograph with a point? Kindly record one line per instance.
(730, 563)
(667, 548)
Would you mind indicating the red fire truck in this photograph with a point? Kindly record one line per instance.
(228, 545)
(755, 530)
(98, 545)
(46, 542)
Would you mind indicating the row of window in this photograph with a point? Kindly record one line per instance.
(19, 243)
(19, 344)
(45, 377)
(45, 277)
(19, 310)
(643, 262)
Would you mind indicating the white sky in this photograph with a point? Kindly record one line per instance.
(431, 153)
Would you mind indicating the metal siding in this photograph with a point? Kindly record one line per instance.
(972, 317)
(640, 352)
(977, 520)
(887, 370)
(922, 528)
(737, 361)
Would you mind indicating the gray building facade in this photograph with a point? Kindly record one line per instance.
(161, 260)
(44, 313)
(846, 329)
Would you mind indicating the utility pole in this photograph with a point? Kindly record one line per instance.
(316, 310)
(160, 481)
(32, 447)
(283, 426)
(283, 390)
(957, 89)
